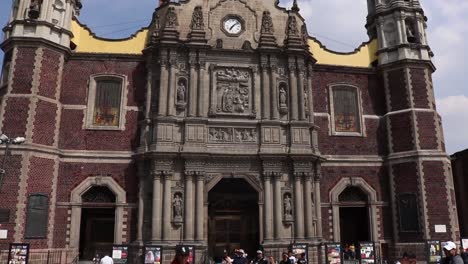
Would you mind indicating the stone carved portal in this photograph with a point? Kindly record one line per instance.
(233, 91)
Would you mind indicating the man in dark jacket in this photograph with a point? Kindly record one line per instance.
(239, 257)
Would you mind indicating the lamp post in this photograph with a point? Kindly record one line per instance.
(4, 139)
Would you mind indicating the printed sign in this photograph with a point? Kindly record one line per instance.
(367, 251)
(298, 250)
(434, 252)
(153, 255)
(333, 251)
(120, 254)
(18, 254)
(465, 244)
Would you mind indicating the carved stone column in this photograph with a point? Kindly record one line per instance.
(300, 89)
(167, 207)
(309, 217)
(157, 208)
(318, 202)
(265, 88)
(163, 85)
(293, 88)
(199, 207)
(188, 208)
(141, 202)
(298, 206)
(310, 99)
(278, 205)
(268, 212)
(202, 90)
(193, 95)
(274, 88)
(172, 83)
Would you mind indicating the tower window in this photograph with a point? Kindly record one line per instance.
(5, 74)
(345, 107)
(105, 102)
(37, 216)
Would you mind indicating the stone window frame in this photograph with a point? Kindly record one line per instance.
(5, 73)
(333, 132)
(92, 87)
(27, 221)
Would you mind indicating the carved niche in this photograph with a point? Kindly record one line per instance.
(232, 92)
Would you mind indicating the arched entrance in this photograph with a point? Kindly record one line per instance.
(97, 222)
(354, 211)
(102, 200)
(233, 212)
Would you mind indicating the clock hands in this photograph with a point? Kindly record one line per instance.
(237, 23)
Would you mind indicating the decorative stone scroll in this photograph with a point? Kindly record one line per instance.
(232, 92)
(232, 135)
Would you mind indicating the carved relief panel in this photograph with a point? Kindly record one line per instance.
(232, 91)
(232, 135)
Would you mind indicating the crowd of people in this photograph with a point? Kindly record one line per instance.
(241, 257)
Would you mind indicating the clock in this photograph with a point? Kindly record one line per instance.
(233, 26)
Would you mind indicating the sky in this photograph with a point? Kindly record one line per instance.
(339, 24)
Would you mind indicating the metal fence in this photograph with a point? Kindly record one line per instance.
(53, 256)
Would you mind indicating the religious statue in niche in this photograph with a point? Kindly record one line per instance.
(283, 99)
(233, 91)
(181, 94)
(197, 19)
(177, 207)
(410, 32)
(292, 26)
(35, 9)
(287, 203)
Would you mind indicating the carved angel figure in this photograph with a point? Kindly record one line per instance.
(171, 17)
(292, 26)
(282, 97)
(197, 18)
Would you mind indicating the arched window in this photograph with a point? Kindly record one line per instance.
(105, 102)
(37, 216)
(345, 108)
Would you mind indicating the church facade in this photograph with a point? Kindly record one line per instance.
(221, 125)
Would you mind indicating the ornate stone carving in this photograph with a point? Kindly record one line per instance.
(232, 135)
(306, 98)
(233, 91)
(305, 35)
(171, 18)
(283, 98)
(287, 207)
(197, 19)
(267, 23)
(292, 27)
(177, 207)
(181, 94)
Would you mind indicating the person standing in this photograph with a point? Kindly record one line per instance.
(259, 259)
(239, 257)
(107, 260)
(302, 259)
(226, 258)
(182, 255)
(285, 259)
(451, 256)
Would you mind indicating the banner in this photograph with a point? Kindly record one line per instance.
(465, 244)
(153, 255)
(367, 250)
(299, 249)
(434, 252)
(18, 254)
(333, 251)
(120, 254)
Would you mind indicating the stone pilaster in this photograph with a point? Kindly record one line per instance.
(156, 220)
(265, 88)
(171, 107)
(188, 207)
(268, 211)
(293, 88)
(199, 219)
(193, 94)
(274, 88)
(163, 84)
(300, 89)
(317, 198)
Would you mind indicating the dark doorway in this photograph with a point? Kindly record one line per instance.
(97, 222)
(354, 225)
(233, 218)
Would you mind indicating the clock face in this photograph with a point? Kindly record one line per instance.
(233, 26)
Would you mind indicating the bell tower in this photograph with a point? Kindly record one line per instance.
(37, 41)
(400, 26)
(46, 19)
(421, 186)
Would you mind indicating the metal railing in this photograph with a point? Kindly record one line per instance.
(52, 256)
